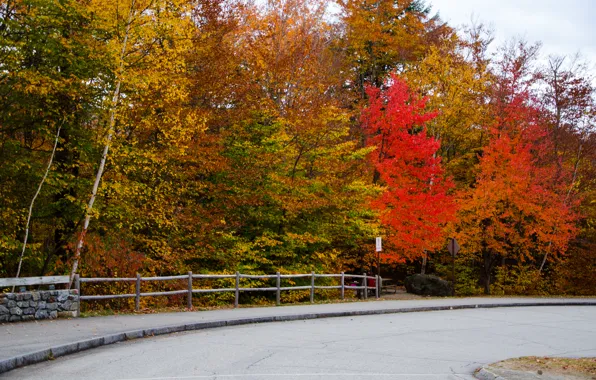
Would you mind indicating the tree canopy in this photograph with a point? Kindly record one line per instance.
(285, 135)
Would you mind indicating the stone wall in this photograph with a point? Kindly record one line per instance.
(42, 304)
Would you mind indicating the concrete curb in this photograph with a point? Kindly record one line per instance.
(492, 373)
(485, 374)
(82, 345)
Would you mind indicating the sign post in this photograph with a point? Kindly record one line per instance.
(378, 242)
(453, 248)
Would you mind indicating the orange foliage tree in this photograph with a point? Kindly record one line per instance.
(516, 208)
(385, 35)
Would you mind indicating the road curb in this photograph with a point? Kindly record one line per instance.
(82, 345)
(486, 374)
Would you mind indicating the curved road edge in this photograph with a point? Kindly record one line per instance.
(485, 373)
(82, 345)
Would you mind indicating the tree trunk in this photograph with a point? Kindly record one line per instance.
(487, 269)
(43, 179)
(487, 284)
(112, 121)
(423, 269)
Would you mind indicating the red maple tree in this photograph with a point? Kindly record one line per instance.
(414, 206)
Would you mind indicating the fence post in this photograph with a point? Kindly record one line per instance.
(380, 285)
(237, 289)
(365, 287)
(77, 283)
(377, 286)
(138, 293)
(343, 286)
(189, 296)
(278, 295)
(312, 287)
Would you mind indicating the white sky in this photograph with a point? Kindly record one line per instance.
(563, 27)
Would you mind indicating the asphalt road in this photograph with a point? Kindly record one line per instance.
(24, 338)
(426, 345)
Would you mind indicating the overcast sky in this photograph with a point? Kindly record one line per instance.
(564, 27)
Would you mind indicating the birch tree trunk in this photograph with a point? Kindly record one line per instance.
(45, 175)
(102, 163)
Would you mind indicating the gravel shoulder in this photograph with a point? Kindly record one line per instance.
(548, 367)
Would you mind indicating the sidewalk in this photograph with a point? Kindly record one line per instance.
(31, 342)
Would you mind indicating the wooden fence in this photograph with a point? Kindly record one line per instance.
(190, 290)
(31, 281)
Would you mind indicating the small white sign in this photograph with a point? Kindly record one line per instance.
(378, 241)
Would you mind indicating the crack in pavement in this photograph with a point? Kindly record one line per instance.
(260, 360)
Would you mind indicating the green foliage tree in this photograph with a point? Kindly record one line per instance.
(49, 64)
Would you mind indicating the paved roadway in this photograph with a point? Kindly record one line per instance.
(424, 345)
(29, 337)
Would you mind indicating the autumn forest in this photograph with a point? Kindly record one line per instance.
(215, 136)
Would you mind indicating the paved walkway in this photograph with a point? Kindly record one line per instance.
(25, 338)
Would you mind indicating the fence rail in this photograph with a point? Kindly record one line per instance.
(30, 281)
(237, 289)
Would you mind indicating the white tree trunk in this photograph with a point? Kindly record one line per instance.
(45, 175)
(102, 163)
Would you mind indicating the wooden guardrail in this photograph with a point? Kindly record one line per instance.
(30, 281)
(190, 290)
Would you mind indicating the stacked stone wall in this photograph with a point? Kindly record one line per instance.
(35, 305)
